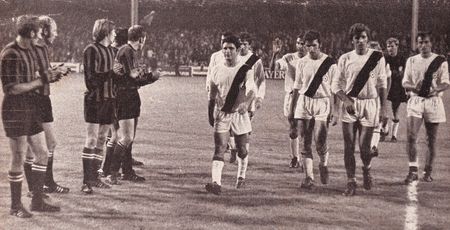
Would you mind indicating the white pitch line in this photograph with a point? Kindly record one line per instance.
(411, 207)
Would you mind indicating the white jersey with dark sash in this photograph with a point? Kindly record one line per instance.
(221, 80)
(306, 70)
(349, 66)
(415, 69)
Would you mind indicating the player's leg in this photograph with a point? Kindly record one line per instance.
(375, 140)
(321, 139)
(125, 135)
(349, 133)
(88, 156)
(38, 170)
(18, 147)
(133, 160)
(294, 144)
(232, 147)
(365, 140)
(127, 163)
(50, 185)
(431, 129)
(29, 159)
(220, 146)
(307, 131)
(110, 145)
(395, 120)
(242, 142)
(413, 125)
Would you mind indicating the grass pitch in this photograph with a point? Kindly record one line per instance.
(175, 141)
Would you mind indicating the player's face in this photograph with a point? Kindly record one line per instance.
(360, 41)
(424, 45)
(229, 51)
(392, 49)
(39, 34)
(112, 36)
(53, 34)
(313, 48)
(299, 45)
(245, 48)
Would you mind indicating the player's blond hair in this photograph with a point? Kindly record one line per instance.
(48, 24)
(102, 28)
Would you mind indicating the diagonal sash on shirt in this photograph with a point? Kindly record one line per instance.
(238, 79)
(364, 74)
(317, 80)
(428, 78)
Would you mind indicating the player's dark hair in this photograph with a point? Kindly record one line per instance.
(102, 28)
(232, 39)
(136, 32)
(392, 40)
(312, 35)
(424, 34)
(121, 36)
(357, 28)
(244, 36)
(224, 35)
(26, 24)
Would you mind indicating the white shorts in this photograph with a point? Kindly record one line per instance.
(238, 123)
(430, 109)
(287, 104)
(308, 108)
(367, 112)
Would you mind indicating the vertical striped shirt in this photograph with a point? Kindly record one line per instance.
(17, 65)
(43, 62)
(127, 59)
(98, 64)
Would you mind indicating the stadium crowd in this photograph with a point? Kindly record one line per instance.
(186, 34)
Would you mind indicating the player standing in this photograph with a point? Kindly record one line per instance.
(44, 38)
(311, 105)
(232, 88)
(426, 77)
(397, 93)
(360, 84)
(288, 63)
(20, 117)
(131, 77)
(99, 100)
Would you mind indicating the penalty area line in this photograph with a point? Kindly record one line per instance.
(411, 207)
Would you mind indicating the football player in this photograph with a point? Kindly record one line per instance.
(426, 77)
(21, 121)
(312, 99)
(99, 100)
(360, 83)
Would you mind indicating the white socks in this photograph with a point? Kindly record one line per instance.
(293, 143)
(242, 166)
(395, 128)
(216, 171)
(376, 136)
(308, 164)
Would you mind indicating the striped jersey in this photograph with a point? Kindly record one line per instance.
(98, 64)
(42, 59)
(17, 65)
(126, 60)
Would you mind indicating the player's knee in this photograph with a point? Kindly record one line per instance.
(242, 151)
(91, 142)
(293, 133)
(51, 145)
(126, 140)
(321, 149)
(219, 153)
(307, 154)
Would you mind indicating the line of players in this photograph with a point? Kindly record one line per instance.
(319, 92)
(113, 75)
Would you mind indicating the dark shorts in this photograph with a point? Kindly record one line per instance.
(20, 116)
(99, 112)
(45, 109)
(128, 104)
(397, 93)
